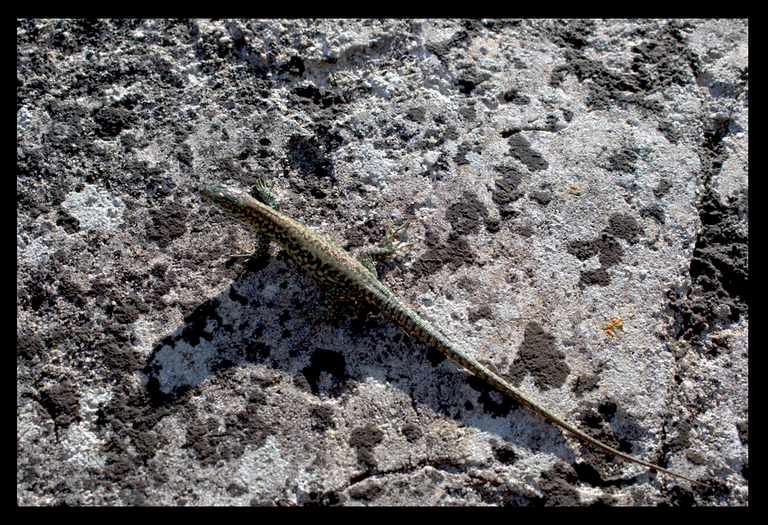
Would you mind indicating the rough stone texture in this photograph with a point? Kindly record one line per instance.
(578, 191)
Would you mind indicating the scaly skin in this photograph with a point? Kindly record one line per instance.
(350, 279)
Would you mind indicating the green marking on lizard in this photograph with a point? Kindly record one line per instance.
(350, 279)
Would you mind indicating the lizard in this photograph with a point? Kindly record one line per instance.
(346, 278)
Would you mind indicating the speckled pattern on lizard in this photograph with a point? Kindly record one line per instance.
(347, 278)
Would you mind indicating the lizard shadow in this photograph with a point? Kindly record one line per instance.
(253, 321)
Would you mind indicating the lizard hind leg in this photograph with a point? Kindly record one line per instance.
(386, 248)
(329, 311)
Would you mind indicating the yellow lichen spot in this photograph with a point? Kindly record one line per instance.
(612, 325)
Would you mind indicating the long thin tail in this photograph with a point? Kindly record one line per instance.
(412, 323)
(478, 369)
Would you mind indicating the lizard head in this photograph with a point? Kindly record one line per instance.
(225, 197)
